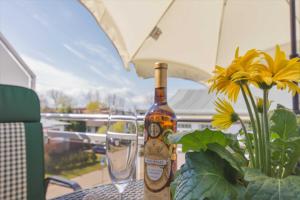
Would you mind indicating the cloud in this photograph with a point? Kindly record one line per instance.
(41, 20)
(101, 52)
(102, 55)
(74, 51)
(99, 72)
(51, 77)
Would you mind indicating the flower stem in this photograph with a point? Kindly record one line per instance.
(263, 153)
(266, 131)
(248, 142)
(253, 125)
(260, 150)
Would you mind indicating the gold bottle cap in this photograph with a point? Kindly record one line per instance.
(161, 65)
(160, 74)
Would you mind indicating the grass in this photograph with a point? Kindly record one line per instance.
(75, 172)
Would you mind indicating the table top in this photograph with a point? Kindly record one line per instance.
(134, 191)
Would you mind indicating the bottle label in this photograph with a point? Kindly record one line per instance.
(154, 129)
(157, 165)
(155, 168)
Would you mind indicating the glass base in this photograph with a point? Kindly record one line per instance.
(121, 186)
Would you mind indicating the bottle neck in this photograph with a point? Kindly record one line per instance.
(160, 74)
(160, 95)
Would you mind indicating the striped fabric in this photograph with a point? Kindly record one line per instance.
(13, 170)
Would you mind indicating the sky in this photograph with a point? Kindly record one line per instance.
(62, 44)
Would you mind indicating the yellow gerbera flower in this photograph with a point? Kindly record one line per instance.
(279, 71)
(244, 65)
(225, 116)
(228, 80)
(222, 83)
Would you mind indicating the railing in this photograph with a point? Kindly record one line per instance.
(84, 137)
(96, 138)
(104, 117)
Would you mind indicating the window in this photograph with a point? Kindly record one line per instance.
(184, 125)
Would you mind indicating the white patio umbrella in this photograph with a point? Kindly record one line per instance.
(190, 35)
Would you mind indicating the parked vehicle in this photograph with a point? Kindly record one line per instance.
(100, 149)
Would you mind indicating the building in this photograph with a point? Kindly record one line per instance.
(94, 126)
(52, 124)
(13, 70)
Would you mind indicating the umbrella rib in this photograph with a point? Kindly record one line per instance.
(161, 17)
(220, 29)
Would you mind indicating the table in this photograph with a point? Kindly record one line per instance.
(134, 191)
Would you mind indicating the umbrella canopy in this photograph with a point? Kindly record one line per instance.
(191, 36)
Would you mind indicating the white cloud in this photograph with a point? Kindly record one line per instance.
(102, 52)
(41, 20)
(51, 77)
(95, 64)
(111, 77)
(74, 51)
(98, 72)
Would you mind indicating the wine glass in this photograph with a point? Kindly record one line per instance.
(121, 145)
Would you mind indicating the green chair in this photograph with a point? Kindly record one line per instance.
(22, 171)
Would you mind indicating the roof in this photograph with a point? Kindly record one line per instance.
(200, 102)
(17, 59)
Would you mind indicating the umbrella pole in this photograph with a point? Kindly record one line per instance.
(294, 53)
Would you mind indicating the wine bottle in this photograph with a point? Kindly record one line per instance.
(160, 158)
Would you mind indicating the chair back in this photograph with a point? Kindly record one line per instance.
(21, 145)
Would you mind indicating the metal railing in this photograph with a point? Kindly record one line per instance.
(104, 117)
(97, 138)
(84, 137)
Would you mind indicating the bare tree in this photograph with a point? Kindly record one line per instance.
(44, 104)
(55, 96)
(93, 96)
(62, 102)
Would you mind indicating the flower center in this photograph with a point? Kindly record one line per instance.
(234, 117)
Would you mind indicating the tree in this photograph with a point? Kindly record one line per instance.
(55, 96)
(102, 129)
(79, 126)
(65, 109)
(118, 127)
(93, 95)
(62, 102)
(93, 107)
(44, 104)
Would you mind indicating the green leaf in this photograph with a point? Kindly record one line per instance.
(198, 140)
(237, 151)
(226, 155)
(285, 142)
(284, 123)
(263, 187)
(206, 176)
(285, 155)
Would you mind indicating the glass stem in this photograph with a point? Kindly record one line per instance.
(248, 141)
(260, 150)
(266, 131)
(256, 161)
